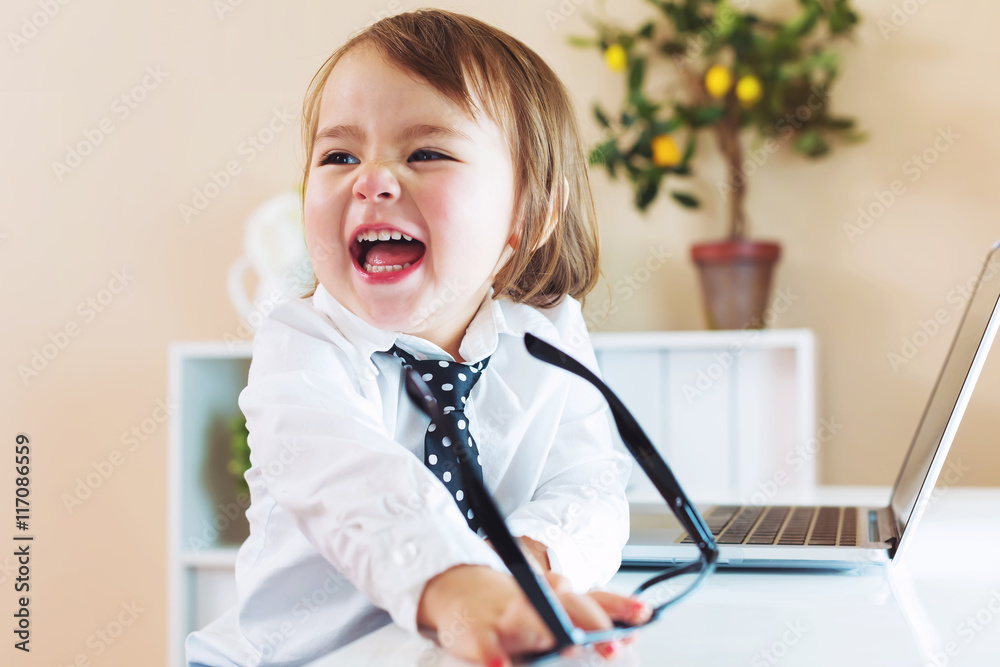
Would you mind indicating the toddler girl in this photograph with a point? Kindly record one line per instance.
(447, 212)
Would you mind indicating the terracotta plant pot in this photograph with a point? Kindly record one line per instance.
(735, 281)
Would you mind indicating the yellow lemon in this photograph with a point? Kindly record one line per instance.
(665, 151)
(749, 91)
(718, 81)
(616, 58)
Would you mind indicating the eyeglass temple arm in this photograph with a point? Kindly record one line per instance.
(535, 588)
(638, 444)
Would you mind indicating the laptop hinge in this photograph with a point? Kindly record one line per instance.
(883, 517)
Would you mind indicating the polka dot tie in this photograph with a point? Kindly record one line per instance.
(451, 383)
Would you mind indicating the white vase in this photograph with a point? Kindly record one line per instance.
(274, 248)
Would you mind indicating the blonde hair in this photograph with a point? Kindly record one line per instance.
(525, 97)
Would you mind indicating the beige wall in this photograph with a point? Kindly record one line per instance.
(61, 242)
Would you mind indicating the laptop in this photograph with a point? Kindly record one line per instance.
(791, 536)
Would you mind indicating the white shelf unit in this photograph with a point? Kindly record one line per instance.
(724, 408)
(207, 521)
(723, 426)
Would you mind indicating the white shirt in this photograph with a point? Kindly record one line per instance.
(345, 518)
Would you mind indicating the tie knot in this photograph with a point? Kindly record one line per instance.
(450, 381)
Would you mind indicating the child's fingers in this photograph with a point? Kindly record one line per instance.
(485, 648)
(522, 630)
(628, 609)
(588, 614)
(559, 583)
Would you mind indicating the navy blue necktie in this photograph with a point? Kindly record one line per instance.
(451, 383)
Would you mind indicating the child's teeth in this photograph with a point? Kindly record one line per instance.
(396, 236)
(408, 238)
(384, 235)
(381, 268)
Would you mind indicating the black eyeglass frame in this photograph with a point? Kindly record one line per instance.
(535, 587)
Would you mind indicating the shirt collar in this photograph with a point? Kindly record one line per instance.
(480, 340)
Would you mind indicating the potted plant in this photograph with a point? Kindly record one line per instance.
(736, 71)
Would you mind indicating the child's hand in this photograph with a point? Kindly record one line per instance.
(483, 616)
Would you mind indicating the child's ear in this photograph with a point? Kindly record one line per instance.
(553, 216)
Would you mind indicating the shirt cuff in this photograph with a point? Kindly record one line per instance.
(565, 557)
(416, 565)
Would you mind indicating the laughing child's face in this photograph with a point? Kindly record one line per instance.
(396, 160)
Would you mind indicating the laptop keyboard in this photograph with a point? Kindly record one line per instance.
(786, 526)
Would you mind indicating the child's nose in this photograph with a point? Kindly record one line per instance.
(376, 182)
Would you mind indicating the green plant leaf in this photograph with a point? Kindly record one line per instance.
(600, 116)
(646, 30)
(842, 18)
(582, 42)
(812, 143)
(636, 74)
(692, 143)
(685, 200)
(667, 126)
(702, 116)
(605, 153)
(646, 192)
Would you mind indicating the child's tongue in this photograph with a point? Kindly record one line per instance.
(388, 253)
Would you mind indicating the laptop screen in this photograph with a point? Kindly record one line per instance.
(944, 408)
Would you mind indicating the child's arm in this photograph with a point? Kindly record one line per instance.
(320, 449)
(579, 510)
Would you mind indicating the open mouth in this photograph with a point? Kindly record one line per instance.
(385, 251)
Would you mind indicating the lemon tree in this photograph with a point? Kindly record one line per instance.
(738, 71)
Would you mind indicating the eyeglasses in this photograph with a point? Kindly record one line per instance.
(535, 587)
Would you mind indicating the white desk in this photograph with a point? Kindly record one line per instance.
(942, 597)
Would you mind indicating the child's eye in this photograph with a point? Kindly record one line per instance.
(420, 153)
(335, 157)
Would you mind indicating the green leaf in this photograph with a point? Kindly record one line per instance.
(689, 149)
(643, 144)
(804, 23)
(685, 200)
(596, 156)
(812, 144)
(636, 74)
(841, 123)
(601, 117)
(843, 18)
(667, 126)
(646, 30)
(583, 42)
(702, 116)
(646, 193)
(605, 153)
